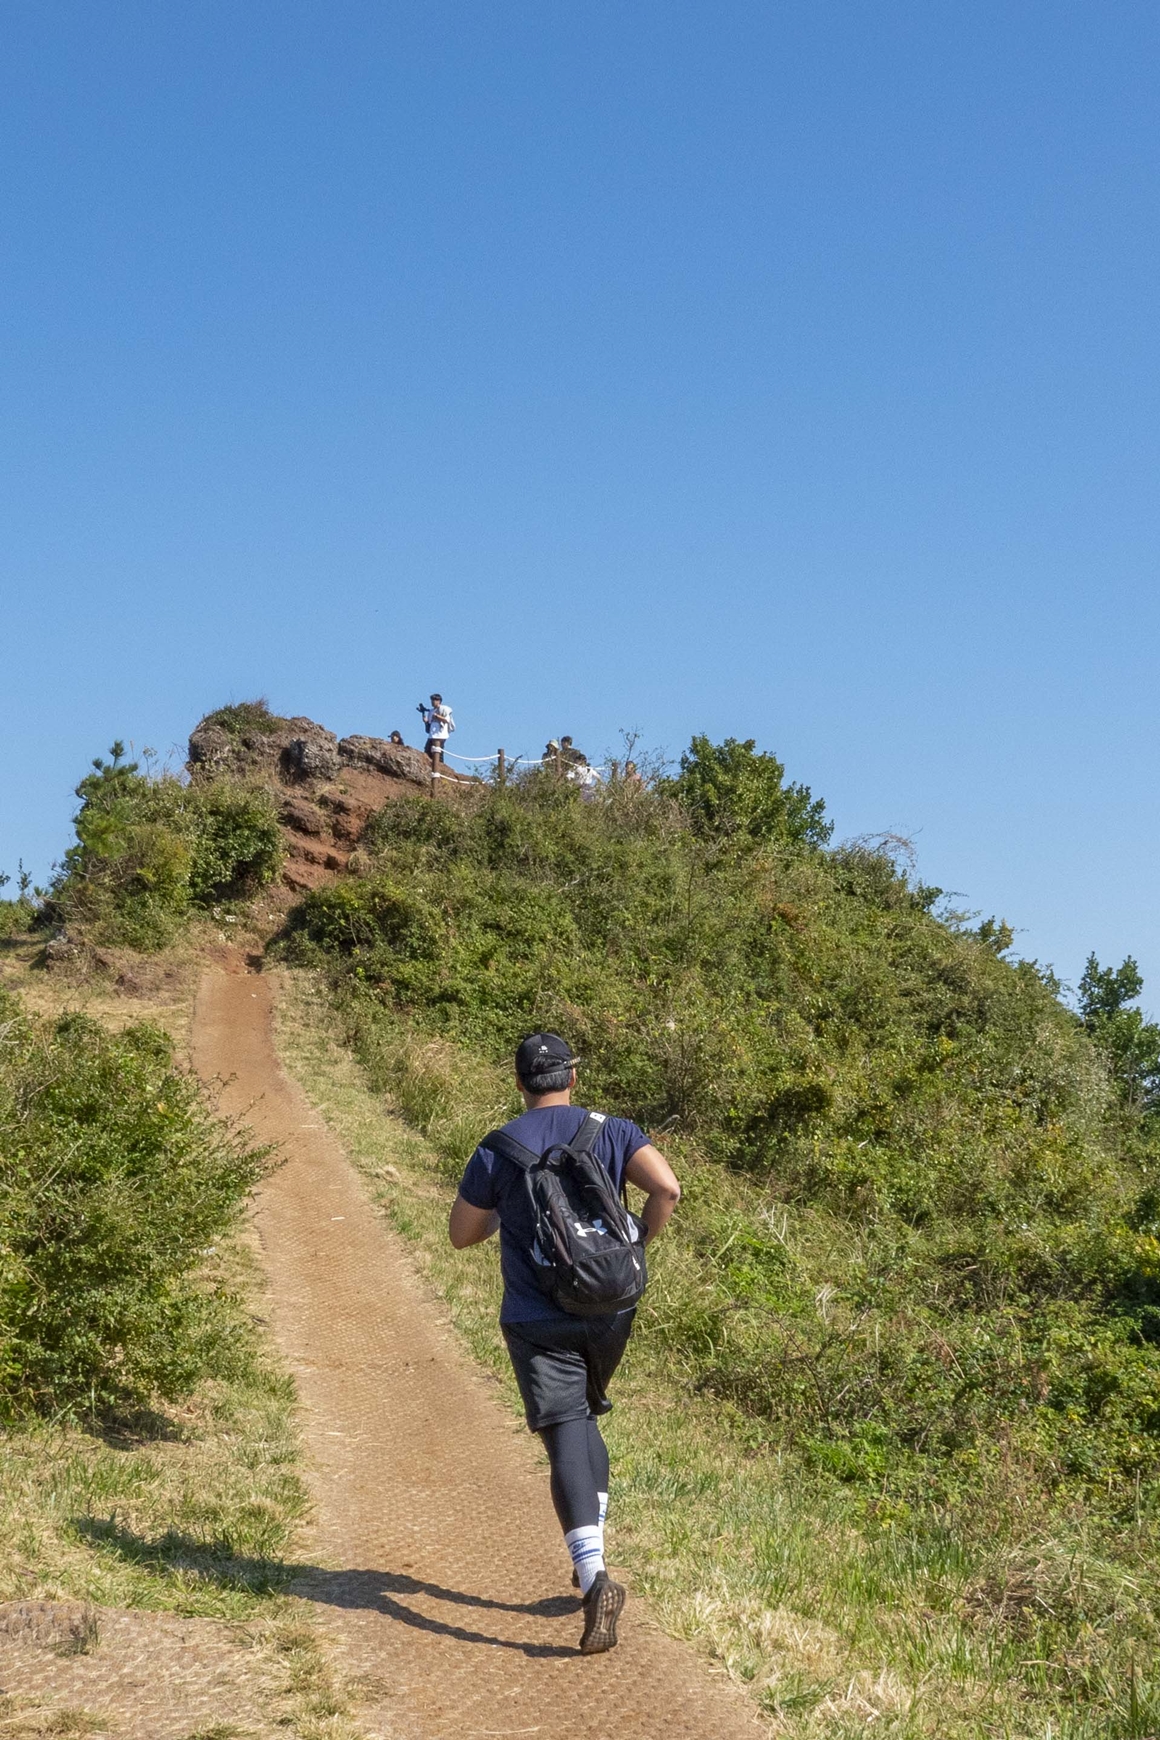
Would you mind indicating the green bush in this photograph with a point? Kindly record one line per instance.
(732, 788)
(114, 1178)
(1130, 1043)
(236, 843)
(149, 849)
(965, 1274)
(16, 918)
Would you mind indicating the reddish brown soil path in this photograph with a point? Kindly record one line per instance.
(440, 1569)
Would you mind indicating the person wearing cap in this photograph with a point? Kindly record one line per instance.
(563, 1364)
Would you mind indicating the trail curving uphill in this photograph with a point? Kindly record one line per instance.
(440, 1574)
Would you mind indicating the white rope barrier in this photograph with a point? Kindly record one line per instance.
(522, 761)
(570, 771)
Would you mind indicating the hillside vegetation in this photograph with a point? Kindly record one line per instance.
(151, 850)
(918, 1250)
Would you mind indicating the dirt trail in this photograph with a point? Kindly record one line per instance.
(450, 1603)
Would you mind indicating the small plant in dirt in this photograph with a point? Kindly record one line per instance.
(149, 849)
(115, 1178)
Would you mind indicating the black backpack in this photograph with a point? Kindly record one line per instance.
(588, 1251)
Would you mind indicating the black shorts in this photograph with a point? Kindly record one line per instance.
(564, 1369)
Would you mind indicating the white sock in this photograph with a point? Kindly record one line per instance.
(586, 1546)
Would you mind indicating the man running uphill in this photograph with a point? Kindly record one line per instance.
(573, 1268)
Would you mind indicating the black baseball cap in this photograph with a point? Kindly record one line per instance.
(540, 1053)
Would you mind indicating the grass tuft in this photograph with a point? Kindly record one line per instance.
(243, 717)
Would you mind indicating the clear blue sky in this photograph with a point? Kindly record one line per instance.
(772, 370)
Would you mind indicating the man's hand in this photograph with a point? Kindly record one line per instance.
(650, 1171)
(470, 1226)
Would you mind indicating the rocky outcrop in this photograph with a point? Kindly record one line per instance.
(396, 760)
(313, 757)
(212, 751)
(297, 752)
(61, 951)
(326, 791)
(288, 750)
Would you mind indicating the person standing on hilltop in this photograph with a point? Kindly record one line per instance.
(572, 1263)
(439, 725)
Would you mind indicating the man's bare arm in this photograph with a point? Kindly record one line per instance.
(469, 1225)
(650, 1171)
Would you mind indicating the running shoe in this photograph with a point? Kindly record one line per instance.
(602, 1606)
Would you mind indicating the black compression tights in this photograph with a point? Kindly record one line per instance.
(579, 1460)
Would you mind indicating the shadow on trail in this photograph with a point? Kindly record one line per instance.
(375, 1591)
(183, 1556)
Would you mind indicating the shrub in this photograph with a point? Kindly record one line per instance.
(16, 918)
(149, 849)
(236, 843)
(114, 1178)
(729, 788)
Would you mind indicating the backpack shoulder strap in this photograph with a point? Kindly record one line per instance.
(582, 1142)
(501, 1143)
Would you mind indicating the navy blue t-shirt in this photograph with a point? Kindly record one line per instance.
(493, 1182)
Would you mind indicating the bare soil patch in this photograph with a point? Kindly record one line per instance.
(66, 1668)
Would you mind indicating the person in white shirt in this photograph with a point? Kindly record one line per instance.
(587, 779)
(439, 725)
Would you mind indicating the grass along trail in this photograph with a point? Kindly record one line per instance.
(438, 1568)
(143, 1559)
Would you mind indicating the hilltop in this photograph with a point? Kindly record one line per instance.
(326, 788)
